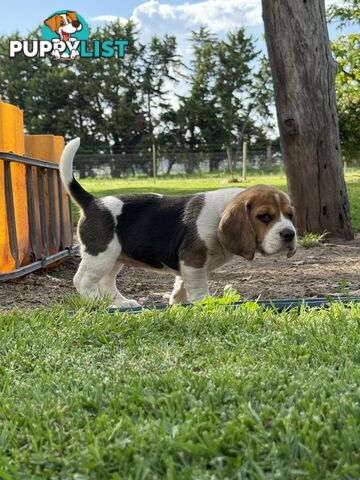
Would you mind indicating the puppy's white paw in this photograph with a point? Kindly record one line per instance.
(134, 303)
(125, 303)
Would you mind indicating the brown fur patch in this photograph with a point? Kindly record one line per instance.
(193, 251)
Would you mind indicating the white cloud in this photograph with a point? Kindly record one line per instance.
(217, 15)
(157, 17)
(220, 16)
(108, 18)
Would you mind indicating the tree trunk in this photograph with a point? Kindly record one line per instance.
(172, 160)
(214, 161)
(268, 160)
(303, 71)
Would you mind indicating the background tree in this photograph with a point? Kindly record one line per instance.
(159, 70)
(347, 54)
(346, 13)
(303, 72)
(206, 129)
(233, 83)
(122, 106)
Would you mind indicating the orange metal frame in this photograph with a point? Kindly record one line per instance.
(35, 213)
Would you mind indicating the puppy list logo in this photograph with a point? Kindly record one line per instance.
(65, 35)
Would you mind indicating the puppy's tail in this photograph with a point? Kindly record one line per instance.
(74, 189)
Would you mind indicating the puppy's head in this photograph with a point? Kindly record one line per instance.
(64, 24)
(259, 219)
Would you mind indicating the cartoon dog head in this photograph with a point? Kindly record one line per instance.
(64, 24)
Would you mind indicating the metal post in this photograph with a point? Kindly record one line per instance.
(229, 157)
(41, 214)
(244, 161)
(154, 161)
(268, 154)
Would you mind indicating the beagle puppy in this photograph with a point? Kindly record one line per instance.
(64, 25)
(187, 236)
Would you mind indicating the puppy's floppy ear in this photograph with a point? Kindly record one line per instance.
(72, 15)
(52, 23)
(291, 253)
(235, 231)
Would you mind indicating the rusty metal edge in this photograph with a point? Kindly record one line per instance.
(32, 267)
(33, 162)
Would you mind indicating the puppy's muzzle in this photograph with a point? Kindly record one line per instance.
(288, 237)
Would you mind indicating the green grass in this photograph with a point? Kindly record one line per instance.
(190, 393)
(180, 184)
(312, 239)
(201, 393)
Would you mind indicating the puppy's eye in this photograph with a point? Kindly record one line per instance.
(264, 218)
(290, 216)
(62, 22)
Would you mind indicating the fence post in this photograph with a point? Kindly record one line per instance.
(268, 154)
(154, 161)
(35, 218)
(244, 161)
(42, 147)
(14, 176)
(230, 163)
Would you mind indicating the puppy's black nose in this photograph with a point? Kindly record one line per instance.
(76, 24)
(287, 234)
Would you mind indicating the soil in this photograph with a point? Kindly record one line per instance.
(327, 269)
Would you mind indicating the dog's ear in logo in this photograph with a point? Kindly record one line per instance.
(74, 20)
(53, 22)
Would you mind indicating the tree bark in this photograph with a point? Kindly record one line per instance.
(303, 71)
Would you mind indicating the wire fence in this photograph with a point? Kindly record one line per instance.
(166, 163)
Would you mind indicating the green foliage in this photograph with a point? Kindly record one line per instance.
(344, 287)
(229, 297)
(119, 105)
(186, 393)
(347, 54)
(311, 239)
(346, 50)
(100, 101)
(230, 85)
(346, 13)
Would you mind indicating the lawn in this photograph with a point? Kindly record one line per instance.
(190, 393)
(206, 392)
(178, 185)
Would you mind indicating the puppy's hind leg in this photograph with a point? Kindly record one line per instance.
(107, 286)
(178, 294)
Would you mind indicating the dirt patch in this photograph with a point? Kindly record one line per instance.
(312, 272)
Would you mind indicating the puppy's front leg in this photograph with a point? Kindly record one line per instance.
(178, 294)
(196, 282)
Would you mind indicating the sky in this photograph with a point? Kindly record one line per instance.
(176, 17)
(155, 16)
